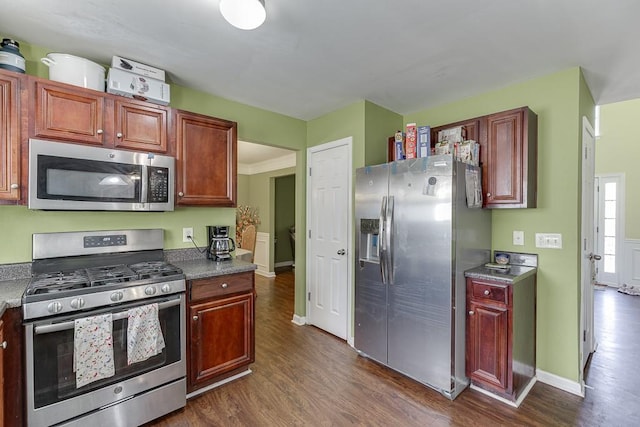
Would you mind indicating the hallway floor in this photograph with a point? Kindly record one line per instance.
(305, 377)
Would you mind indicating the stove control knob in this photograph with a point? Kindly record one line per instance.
(54, 307)
(116, 296)
(150, 290)
(77, 303)
(166, 289)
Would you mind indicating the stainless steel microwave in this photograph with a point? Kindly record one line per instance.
(80, 177)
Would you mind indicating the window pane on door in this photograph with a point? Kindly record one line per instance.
(609, 263)
(610, 209)
(609, 245)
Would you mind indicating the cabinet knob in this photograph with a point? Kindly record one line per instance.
(14, 186)
(488, 194)
(487, 292)
(224, 286)
(471, 313)
(99, 131)
(3, 345)
(180, 194)
(119, 134)
(195, 318)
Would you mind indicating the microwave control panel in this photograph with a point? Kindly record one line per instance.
(158, 185)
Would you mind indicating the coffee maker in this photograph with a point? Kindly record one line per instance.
(220, 244)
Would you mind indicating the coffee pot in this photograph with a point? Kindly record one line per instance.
(220, 244)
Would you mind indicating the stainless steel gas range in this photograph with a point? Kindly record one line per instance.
(104, 319)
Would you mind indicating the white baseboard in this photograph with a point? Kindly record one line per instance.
(562, 383)
(299, 320)
(265, 273)
(283, 264)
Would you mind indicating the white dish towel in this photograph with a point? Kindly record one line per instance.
(144, 336)
(93, 349)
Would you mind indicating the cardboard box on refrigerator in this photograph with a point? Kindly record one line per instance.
(411, 141)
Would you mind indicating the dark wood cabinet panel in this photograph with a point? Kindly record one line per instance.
(10, 85)
(202, 289)
(12, 365)
(222, 338)
(206, 160)
(500, 336)
(488, 346)
(70, 114)
(511, 159)
(140, 126)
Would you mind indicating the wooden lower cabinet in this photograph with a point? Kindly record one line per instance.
(221, 328)
(11, 368)
(500, 353)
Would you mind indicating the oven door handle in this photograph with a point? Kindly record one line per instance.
(57, 327)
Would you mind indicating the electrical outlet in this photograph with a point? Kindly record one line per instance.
(186, 233)
(518, 238)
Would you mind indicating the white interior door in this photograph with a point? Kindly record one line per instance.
(329, 236)
(587, 265)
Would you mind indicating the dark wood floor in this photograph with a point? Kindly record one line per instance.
(305, 377)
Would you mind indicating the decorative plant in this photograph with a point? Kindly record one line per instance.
(245, 216)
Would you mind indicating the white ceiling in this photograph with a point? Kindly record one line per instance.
(313, 57)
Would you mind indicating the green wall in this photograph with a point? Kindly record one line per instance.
(557, 100)
(618, 151)
(284, 217)
(380, 124)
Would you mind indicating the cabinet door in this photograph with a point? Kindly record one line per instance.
(141, 127)
(69, 114)
(222, 338)
(2, 371)
(487, 345)
(512, 159)
(206, 160)
(9, 138)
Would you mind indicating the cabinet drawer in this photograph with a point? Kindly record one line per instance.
(490, 291)
(221, 285)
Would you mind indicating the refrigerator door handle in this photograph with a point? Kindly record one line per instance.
(383, 242)
(389, 239)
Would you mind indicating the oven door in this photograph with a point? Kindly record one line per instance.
(52, 394)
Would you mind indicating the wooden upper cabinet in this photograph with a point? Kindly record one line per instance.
(69, 114)
(140, 126)
(74, 114)
(511, 159)
(206, 158)
(10, 136)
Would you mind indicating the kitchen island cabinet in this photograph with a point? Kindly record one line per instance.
(10, 134)
(500, 336)
(206, 160)
(221, 328)
(73, 114)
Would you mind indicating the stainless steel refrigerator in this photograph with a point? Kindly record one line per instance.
(415, 238)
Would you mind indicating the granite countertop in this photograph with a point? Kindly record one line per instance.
(17, 276)
(200, 268)
(513, 274)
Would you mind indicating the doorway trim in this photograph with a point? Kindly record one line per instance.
(348, 141)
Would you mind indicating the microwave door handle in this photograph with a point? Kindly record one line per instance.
(57, 327)
(144, 196)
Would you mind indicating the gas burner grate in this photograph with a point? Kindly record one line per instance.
(120, 273)
(58, 281)
(151, 269)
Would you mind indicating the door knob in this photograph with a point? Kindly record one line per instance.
(594, 257)
(342, 252)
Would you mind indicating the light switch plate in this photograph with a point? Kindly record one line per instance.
(518, 238)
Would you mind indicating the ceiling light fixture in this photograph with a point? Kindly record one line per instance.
(243, 14)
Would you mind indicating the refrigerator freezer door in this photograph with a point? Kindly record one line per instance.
(420, 297)
(371, 292)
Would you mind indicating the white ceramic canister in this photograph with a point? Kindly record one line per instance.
(75, 70)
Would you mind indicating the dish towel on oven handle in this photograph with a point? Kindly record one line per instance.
(144, 335)
(93, 349)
